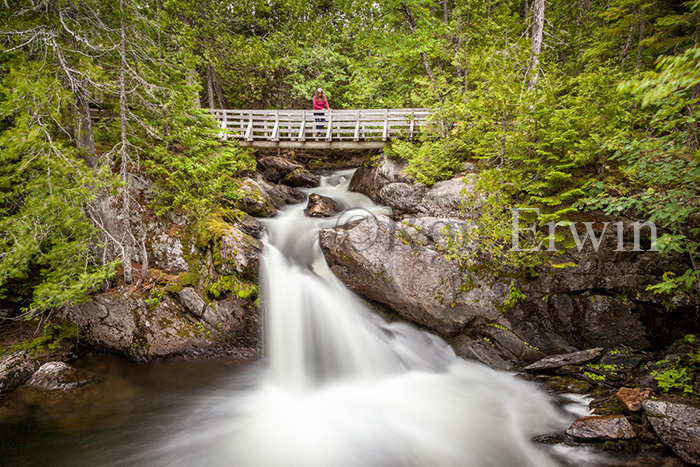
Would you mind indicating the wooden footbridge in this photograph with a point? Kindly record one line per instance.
(313, 129)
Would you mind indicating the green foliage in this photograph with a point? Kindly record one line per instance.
(515, 296)
(671, 379)
(595, 376)
(429, 162)
(195, 173)
(155, 297)
(46, 238)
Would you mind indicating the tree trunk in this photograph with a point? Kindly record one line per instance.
(210, 86)
(84, 139)
(466, 56)
(124, 172)
(537, 34)
(192, 80)
(527, 19)
(445, 15)
(223, 103)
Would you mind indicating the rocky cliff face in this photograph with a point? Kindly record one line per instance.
(195, 287)
(407, 263)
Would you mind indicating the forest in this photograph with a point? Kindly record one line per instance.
(567, 106)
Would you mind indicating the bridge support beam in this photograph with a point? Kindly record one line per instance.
(264, 144)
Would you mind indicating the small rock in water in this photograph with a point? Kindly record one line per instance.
(605, 427)
(549, 438)
(321, 206)
(54, 376)
(15, 369)
(678, 426)
(632, 398)
(557, 361)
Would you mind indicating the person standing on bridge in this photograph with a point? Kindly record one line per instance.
(320, 102)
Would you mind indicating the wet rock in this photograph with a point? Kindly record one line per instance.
(482, 351)
(599, 428)
(632, 398)
(276, 168)
(301, 178)
(627, 362)
(508, 340)
(678, 427)
(550, 438)
(250, 225)
(321, 206)
(557, 361)
(279, 195)
(566, 384)
(15, 369)
(255, 201)
(240, 254)
(58, 376)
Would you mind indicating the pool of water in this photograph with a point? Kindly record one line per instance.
(115, 418)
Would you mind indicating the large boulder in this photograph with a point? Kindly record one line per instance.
(301, 178)
(124, 323)
(261, 198)
(276, 168)
(58, 376)
(385, 262)
(15, 369)
(387, 183)
(414, 267)
(322, 206)
(239, 254)
(678, 427)
(370, 178)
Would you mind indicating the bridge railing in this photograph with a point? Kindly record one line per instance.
(357, 125)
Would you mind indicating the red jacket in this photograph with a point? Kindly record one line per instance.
(321, 104)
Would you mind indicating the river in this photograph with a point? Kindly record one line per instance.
(338, 386)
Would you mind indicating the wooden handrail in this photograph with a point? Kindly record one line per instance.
(355, 125)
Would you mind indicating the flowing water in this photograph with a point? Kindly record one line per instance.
(339, 386)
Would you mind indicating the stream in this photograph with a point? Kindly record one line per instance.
(339, 386)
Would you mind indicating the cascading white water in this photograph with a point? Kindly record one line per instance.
(343, 388)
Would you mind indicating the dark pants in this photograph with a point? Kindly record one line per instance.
(320, 120)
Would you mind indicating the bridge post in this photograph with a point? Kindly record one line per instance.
(385, 134)
(413, 119)
(356, 137)
(329, 135)
(302, 128)
(224, 124)
(276, 128)
(249, 130)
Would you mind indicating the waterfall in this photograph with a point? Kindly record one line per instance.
(340, 387)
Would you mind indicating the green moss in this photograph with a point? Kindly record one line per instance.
(55, 334)
(186, 279)
(211, 230)
(231, 284)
